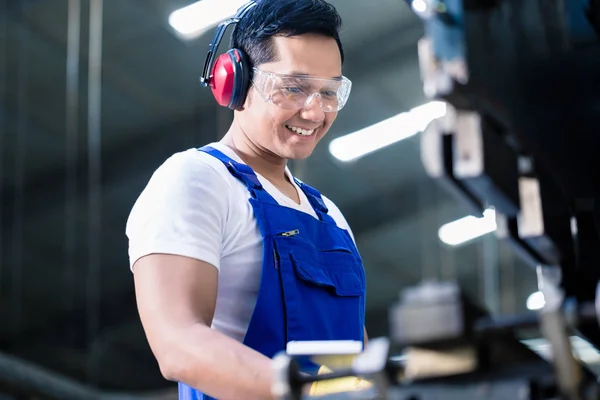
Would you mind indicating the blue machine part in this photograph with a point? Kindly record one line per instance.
(444, 25)
(443, 21)
(578, 25)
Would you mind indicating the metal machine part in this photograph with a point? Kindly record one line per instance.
(373, 364)
(520, 79)
(522, 87)
(526, 100)
(465, 353)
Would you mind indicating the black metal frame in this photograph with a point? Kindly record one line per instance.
(522, 81)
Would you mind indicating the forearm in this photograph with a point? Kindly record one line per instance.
(217, 365)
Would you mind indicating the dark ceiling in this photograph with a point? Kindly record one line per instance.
(66, 294)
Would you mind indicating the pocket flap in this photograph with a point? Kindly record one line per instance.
(339, 271)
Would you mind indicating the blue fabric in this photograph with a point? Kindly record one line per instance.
(313, 283)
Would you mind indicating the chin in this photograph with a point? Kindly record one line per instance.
(301, 156)
(298, 153)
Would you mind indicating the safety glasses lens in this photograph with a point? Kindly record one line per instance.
(296, 92)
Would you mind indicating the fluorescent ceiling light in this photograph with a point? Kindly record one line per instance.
(192, 21)
(468, 228)
(358, 144)
(536, 301)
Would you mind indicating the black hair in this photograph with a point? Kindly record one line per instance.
(254, 32)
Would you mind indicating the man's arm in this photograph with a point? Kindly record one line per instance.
(366, 341)
(176, 299)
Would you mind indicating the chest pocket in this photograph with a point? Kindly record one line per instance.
(337, 271)
(324, 291)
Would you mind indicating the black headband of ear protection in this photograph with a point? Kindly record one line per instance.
(214, 45)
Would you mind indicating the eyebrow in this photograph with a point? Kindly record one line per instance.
(302, 74)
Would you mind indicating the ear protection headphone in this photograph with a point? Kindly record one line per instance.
(229, 75)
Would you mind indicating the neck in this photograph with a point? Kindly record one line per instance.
(262, 161)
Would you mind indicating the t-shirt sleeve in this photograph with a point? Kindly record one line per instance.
(181, 211)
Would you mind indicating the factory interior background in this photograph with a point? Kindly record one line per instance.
(95, 95)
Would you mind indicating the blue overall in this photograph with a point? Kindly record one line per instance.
(312, 284)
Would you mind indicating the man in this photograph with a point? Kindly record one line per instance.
(232, 257)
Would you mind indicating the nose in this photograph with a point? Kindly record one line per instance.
(312, 110)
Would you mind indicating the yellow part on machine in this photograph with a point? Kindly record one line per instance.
(339, 385)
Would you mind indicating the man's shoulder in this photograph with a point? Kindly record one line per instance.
(337, 215)
(331, 206)
(191, 165)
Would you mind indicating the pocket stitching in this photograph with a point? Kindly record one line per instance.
(303, 272)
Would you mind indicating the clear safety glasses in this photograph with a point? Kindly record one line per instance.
(293, 92)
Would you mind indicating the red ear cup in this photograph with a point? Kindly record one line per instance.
(222, 80)
(229, 76)
(230, 79)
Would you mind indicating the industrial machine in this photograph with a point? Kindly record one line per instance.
(521, 79)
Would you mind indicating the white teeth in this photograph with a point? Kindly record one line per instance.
(303, 132)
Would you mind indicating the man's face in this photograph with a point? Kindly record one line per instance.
(269, 126)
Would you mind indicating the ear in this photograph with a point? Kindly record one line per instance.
(248, 101)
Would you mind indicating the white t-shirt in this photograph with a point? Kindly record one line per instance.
(192, 206)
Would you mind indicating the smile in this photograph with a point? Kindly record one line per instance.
(300, 131)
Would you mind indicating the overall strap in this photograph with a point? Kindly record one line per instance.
(316, 201)
(242, 172)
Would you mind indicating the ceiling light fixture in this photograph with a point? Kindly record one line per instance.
(402, 126)
(468, 228)
(192, 21)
